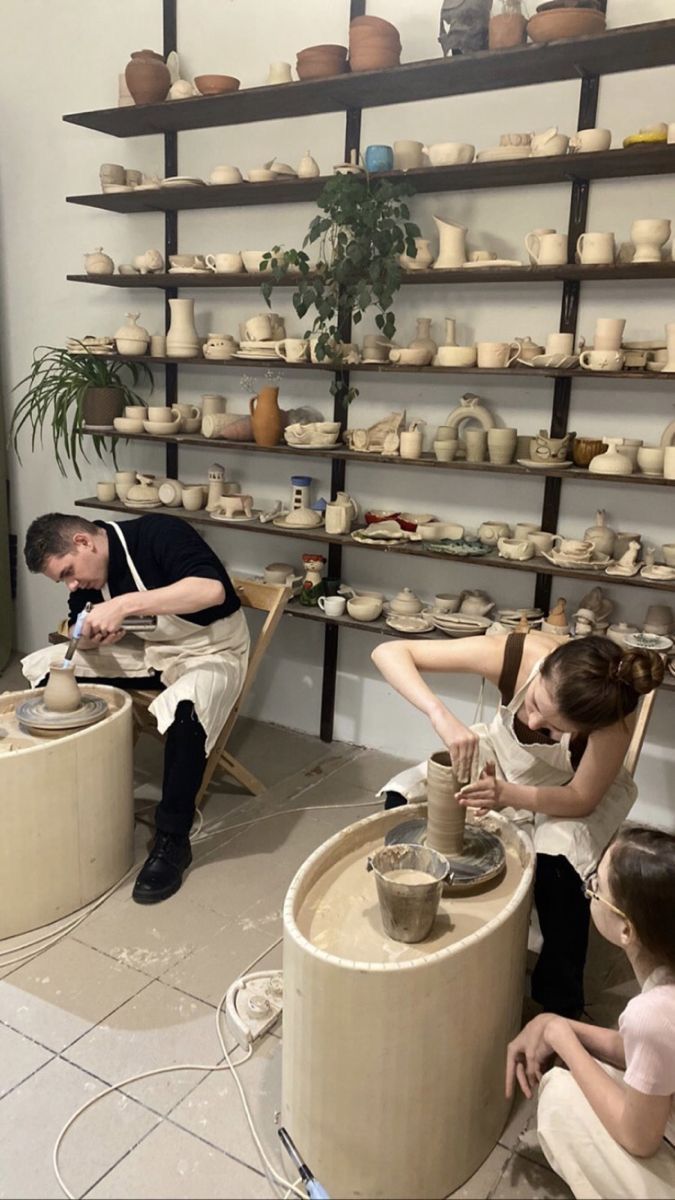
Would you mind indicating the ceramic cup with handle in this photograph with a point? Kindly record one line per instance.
(259, 328)
(541, 540)
(333, 606)
(547, 249)
(228, 263)
(292, 349)
(136, 412)
(596, 249)
(538, 233)
(608, 333)
(497, 354)
(160, 414)
(602, 360)
(590, 140)
(560, 343)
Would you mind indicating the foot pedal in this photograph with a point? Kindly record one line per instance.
(253, 1005)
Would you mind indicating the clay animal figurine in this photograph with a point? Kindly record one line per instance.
(464, 26)
(238, 507)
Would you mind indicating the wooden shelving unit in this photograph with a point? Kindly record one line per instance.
(586, 59)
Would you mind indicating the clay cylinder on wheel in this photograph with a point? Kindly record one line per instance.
(445, 817)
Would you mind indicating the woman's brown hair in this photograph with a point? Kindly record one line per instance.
(641, 878)
(596, 683)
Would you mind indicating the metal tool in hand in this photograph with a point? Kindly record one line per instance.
(77, 632)
(314, 1189)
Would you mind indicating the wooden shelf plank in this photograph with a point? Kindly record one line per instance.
(617, 50)
(652, 272)
(524, 172)
(390, 369)
(427, 461)
(535, 566)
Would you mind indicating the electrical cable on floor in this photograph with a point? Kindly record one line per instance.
(228, 1065)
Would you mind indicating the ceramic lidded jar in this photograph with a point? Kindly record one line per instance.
(98, 263)
(147, 77)
(602, 536)
(406, 603)
(132, 338)
(611, 462)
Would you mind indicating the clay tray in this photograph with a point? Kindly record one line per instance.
(36, 718)
(483, 858)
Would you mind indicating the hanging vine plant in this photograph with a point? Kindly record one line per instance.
(363, 227)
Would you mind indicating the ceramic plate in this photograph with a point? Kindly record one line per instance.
(615, 569)
(461, 549)
(495, 153)
(647, 641)
(189, 271)
(661, 577)
(548, 466)
(379, 534)
(182, 181)
(34, 715)
(263, 344)
(238, 519)
(142, 503)
(146, 187)
(494, 262)
(409, 624)
(597, 563)
(559, 362)
(113, 189)
(282, 523)
(249, 356)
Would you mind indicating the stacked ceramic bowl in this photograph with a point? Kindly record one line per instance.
(373, 44)
(318, 62)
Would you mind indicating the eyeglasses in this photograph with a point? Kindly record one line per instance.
(589, 887)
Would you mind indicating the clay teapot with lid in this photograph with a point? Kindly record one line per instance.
(601, 534)
(475, 604)
(406, 603)
(528, 348)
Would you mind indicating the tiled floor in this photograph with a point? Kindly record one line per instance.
(133, 988)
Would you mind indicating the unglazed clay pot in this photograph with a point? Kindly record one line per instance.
(507, 28)
(266, 417)
(62, 693)
(148, 77)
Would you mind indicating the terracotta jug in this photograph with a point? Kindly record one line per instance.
(266, 417)
(62, 693)
(147, 77)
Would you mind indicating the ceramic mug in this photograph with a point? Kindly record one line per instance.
(136, 412)
(292, 349)
(105, 491)
(538, 233)
(602, 360)
(187, 412)
(212, 403)
(524, 528)
(410, 443)
(338, 518)
(333, 606)
(157, 413)
(158, 345)
(608, 333)
(379, 158)
(445, 450)
(596, 248)
(497, 354)
(541, 540)
(591, 140)
(651, 460)
(475, 441)
(501, 445)
(547, 249)
(669, 462)
(491, 531)
(560, 343)
(258, 329)
(408, 155)
(227, 263)
(445, 603)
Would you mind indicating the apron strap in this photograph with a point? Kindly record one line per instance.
(518, 696)
(130, 562)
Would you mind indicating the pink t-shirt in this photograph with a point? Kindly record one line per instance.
(647, 1028)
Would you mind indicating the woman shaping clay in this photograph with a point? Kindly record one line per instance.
(552, 755)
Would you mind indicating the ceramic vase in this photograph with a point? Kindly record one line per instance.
(450, 332)
(422, 259)
(602, 536)
(266, 417)
(62, 693)
(423, 339)
(147, 77)
(648, 236)
(445, 817)
(452, 245)
(182, 339)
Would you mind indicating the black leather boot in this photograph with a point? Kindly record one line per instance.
(162, 872)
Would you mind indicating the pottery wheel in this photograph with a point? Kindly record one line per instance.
(34, 715)
(483, 857)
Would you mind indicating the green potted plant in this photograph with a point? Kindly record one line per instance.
(364, 229)
(66, 391)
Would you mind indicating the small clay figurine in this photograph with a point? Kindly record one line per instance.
(464, 26)
(557, 618)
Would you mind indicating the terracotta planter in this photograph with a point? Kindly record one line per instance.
(320, 68)
(147, 77)
(507, 30)
(373, 60)
(266, 417)
(565, 23)
(101, 405)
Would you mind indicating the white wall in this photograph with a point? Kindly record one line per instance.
(65, 57)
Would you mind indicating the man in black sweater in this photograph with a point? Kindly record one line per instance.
(195, 657)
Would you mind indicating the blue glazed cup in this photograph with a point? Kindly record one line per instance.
(379, 158)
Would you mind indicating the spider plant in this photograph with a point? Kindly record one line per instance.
(53, 394)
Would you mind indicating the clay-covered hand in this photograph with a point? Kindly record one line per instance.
(487, 792)
(461, 743)
(105, 619)
(527, 1054)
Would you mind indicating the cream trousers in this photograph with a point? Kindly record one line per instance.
(579, 1148)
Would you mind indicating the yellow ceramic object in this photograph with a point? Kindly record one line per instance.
(644, 139)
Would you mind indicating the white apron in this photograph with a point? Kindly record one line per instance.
(203, 664)
(580, 840)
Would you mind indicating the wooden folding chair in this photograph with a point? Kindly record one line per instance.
(644, 713)
(265, 597)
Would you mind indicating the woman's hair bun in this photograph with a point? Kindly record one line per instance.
(643, 670)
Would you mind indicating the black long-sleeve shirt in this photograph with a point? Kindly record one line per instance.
(164, 550)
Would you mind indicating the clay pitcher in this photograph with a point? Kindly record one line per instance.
(445, 817)
(452, 244)
(266, 417)
(147, 76)
(62, 693)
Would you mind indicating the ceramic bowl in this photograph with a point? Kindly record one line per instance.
(125, 425)
(584, 449)
(251, 260)
(379, 514)
(161, 428)
(410, 521)
(261, 175)
(216, 85)
(560, 23)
